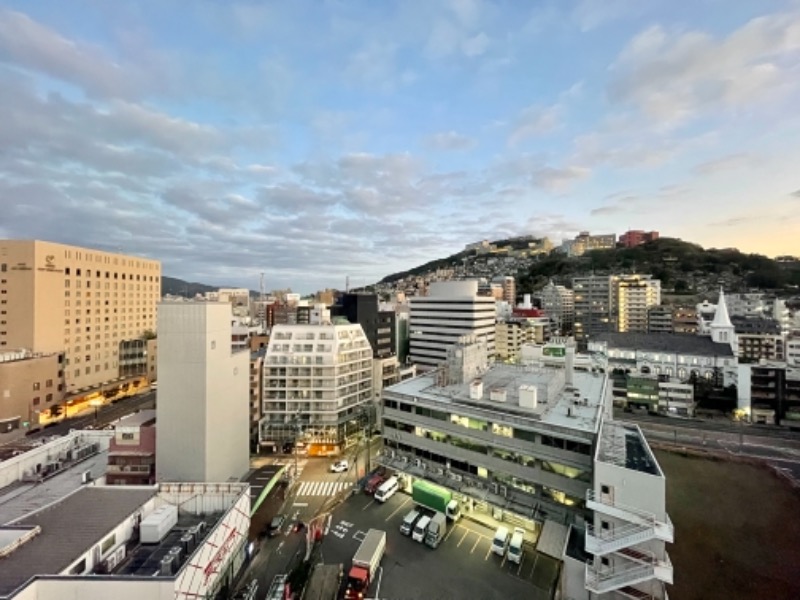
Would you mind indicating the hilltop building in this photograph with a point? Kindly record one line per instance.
(451, 310)
(637, 237)
(585, 242)
(536, 446)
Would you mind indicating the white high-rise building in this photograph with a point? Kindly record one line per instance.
(558, 304)
(317, 386)
(634, 295)
(451, 310)
(203, 422)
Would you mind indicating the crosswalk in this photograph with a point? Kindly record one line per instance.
(321, 488)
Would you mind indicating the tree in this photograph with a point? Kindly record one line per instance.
(149, 334)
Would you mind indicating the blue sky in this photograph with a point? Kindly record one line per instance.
(315, 140)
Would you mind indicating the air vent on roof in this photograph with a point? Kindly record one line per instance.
(498, 394)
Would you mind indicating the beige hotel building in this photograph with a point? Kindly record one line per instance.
(82, 302)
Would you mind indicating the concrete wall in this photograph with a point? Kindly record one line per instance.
(203, 395)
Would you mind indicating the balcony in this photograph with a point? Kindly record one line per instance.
(662, 530)
(601, 579)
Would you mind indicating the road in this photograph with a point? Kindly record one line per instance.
(724, 425)
(314, 493)
(105, 415)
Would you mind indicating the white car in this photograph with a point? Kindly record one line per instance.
(339, 467)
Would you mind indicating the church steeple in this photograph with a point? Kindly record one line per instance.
(722, 329)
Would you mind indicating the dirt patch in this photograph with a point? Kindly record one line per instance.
(737, 535)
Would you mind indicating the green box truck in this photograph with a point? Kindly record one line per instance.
(436, 498)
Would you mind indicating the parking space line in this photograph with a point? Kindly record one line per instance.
(449, 533)
(520, 565)
(475, 545)
(535, 560)
(368, 504)
(396, 510)
(503, 562)
(488, 552)
(466, 532)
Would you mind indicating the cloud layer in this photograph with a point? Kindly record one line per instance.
(372, 137)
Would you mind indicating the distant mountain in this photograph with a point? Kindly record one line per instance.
(187, 289)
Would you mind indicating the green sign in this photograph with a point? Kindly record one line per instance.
(559, 351)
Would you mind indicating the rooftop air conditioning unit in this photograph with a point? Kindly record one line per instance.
(417, 462)
(165, 568)
(495, 488)
(504, 491)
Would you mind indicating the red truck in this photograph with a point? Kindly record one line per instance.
(365, 564)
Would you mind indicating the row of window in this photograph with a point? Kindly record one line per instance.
(88, 273)
(496, 428)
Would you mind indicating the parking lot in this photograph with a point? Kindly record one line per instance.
(463, 566)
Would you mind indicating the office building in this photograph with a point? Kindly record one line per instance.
(508, 285)
(536, 447)
(81, 302)
(660, 319)
(73, 536)
(317, 387)
(31, 385)
(257, 359)
(451, 310)
(511, 334)
(558, 303)
(684, 320)
(203, 395)
(637, 237)
(593, 306)
(632, 298)
(775, 393)
(759, 338)
(132, 450)
(378, 325)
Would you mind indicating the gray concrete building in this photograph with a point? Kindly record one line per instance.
(203, 395)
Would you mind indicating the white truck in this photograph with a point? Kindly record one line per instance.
(437, 529)
(365, 564)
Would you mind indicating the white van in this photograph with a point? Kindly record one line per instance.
(500, 541)
(387, 489)
(515, 546)
(409, 521)
(420, 528)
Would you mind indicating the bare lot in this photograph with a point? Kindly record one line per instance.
(737, 532)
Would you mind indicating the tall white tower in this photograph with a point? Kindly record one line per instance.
(202, 414)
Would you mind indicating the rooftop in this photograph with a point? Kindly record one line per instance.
(557, 404)
(756, 325)
(624, 445)
(137, 419)
(68, 530)
(679, 343)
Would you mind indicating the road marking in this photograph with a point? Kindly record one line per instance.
(449, 533)
(300, 504)
(359, 535)
(535, 560)
(320, 488)
(475, 545)
(396, 510)
(488, 552)
(370, 503)
(520, 565)
(503, 562)
(466, 531)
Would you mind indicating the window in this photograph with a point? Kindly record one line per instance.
(36, 386)
(48, 398)
(49, 383)
(127, 436)
(36, 401)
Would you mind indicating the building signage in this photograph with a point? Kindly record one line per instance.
(50, 264)
(212, 568)
(556, 351)
(20, 267)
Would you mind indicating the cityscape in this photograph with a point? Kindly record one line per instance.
(257, 343)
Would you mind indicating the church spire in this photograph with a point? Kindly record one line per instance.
(721, 317)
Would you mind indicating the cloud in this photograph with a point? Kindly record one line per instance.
(795, 193)
(534, 121)
(592, 14)
(558, 179)
(475, 45)
(450, 140)
(730, 162)
(674, 76)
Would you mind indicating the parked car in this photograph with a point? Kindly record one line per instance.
(340, 466)
(275, 526)
(374, 483)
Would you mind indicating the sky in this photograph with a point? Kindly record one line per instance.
(315, 140)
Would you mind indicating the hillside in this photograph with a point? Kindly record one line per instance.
(682, 266)
(679, 265)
